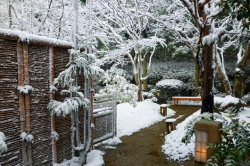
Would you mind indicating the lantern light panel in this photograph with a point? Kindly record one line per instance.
(201, 138)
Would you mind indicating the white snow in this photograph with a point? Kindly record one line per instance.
(224, 101)
(23, 136)
(26, 89)
(173, 147)
(170, 83)
(30, 138)
(170, 120)
(3, 146)
(131, 119)
(24, 36)
(94, 158)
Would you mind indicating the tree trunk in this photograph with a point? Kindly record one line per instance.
(222, 74)
(240, 73)
(145, 73)
(207, 75)
(196, 78)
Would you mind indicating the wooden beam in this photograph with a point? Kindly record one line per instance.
(21, 96)
(52, 97)
(27, 99)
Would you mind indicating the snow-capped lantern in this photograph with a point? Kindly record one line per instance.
(163, 109)
(206, 132)
(170, 125)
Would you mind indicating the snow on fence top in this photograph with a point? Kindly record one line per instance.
(34, 39)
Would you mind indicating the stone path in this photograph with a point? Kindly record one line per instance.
(143, 148)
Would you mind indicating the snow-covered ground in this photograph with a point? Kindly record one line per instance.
(129, 120)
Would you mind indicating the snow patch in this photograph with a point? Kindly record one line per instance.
(170, 83)
(25, 89)
(3, 146)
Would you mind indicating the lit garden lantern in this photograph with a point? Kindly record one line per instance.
(158, 93)
(163, 109)
(206, 132)
(170, 125)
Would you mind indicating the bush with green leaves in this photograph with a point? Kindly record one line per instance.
(234, 149)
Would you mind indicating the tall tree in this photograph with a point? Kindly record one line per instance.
(203, 13)
(123, 29)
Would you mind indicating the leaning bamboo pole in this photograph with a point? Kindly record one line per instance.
(27, 99)
(52, 97)
(21, 96)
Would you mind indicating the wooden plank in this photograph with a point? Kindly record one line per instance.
(21, 96)
(52, 97)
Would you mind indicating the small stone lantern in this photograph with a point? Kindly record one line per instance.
(170, 125)
(206, 132)
(163, 109)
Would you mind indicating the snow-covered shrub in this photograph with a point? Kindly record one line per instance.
(3, 146)
(222, 103)
(183, 71)
(113, 72)
(126, 92)
(169, 88)
(246, 100)
(76, 99)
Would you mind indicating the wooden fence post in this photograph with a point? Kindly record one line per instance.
(21, 96)
(27, 99)
(52, 97)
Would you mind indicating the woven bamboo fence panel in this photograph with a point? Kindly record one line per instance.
(63, 124)
(9, 105)
(40, 116)
(41, 151)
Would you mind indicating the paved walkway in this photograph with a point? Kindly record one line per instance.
(143, 148)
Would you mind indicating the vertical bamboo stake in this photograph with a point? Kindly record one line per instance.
(92, 110)
(21, 96)
(27, 98)
(52, 97)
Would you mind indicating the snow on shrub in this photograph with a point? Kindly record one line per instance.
(170, 83)
(221, 103)
(183, 71)
(3, 146)
(126, 92)
(113, 72)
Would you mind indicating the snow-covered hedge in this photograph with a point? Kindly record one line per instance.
(170, 87)
(3, 146)
(222, 103)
